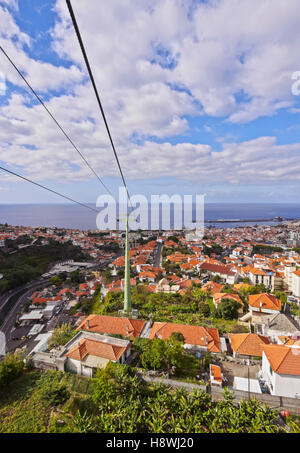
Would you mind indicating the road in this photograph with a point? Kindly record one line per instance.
(23, 292)
(156, 260)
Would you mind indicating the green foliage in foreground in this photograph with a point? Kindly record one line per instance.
(118, 402)
(10, 368)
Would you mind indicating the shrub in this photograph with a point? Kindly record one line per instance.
(61, 335)
(11, 368)
(53, 394)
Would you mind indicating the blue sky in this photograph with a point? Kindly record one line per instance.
(198, 96)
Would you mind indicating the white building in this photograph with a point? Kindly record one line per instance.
(288, 276)
(281, 369)
(296, 283)
(88, 351)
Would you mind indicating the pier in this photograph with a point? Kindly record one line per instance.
(275, 219)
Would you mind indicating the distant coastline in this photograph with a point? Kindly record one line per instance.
(72, 216)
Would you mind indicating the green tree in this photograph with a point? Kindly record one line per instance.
(10, 368)
(76, 277)
(228, 309)
(204, 309)
(154, 354)
(107, 275)
(61, 335)
(207, 361)
(200, 294)
(56, 280)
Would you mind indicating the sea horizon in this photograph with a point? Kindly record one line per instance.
(70, 216)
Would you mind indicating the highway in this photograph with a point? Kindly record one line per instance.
(156, 260)
(11, 311)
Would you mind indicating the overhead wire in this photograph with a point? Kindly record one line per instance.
(54, 119)
(73, 18)
(47, 188)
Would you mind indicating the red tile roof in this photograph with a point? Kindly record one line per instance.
(216, 268)
(216, 374)
(96, 348)
(264, 301)
(248, 343)
(113, 325)
(283, 359)
(196, 335)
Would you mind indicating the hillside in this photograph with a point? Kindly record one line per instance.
(116, 401)
(29, 263)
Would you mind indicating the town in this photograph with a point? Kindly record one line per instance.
(222, 310)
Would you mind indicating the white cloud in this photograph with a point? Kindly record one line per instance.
(234, 58)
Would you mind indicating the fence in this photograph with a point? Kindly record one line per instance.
(173, 383)
(273, 401)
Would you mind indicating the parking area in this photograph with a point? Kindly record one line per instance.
(232, 369)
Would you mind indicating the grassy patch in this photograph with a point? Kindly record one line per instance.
(22, 409)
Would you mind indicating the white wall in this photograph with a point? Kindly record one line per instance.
(287, 385)
(296, 285)
(73, 366)
(282, 384)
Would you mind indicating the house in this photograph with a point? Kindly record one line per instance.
(216, 377)
(89, 351)
(165, 286)
(247, 344)
(82, 355)
(147, 276)
(281, 369)
(219, 297)
(271, 279)
(196, 337)
(276, 325)
(263, 304)
(212, 287)
(289, 269)
(296, 283)
(114, 325)
(223, 271)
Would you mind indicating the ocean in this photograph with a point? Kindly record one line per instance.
(77, 217)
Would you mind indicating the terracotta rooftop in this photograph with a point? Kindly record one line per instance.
(216, 268)
(196, 335)
(215, 372)
(96, 348)
(283, 359)
(248, 343)
(113, 325)
(264, 300)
